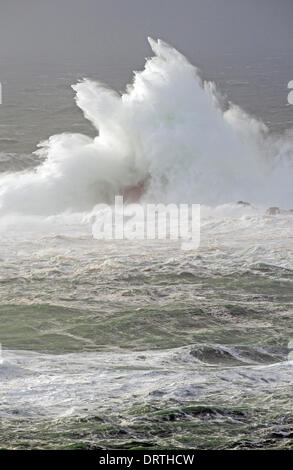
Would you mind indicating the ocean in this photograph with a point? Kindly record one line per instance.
(133, 344)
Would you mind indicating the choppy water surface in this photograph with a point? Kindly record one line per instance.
(140, 344)
(119, 344)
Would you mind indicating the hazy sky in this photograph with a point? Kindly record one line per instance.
(99, 30)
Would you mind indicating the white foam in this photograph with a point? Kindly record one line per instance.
(168, 128)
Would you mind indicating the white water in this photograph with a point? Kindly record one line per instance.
(35, 385)
(169, 131)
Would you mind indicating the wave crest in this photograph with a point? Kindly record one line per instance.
(166, 135)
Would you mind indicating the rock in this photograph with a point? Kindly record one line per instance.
(273, 211)
(243, 203)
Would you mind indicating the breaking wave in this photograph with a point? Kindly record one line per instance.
(167, 139)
